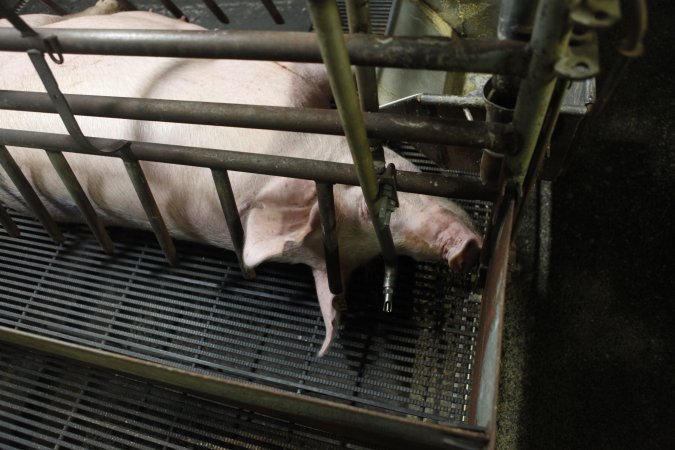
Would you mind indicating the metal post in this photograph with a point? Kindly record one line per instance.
(75, 190)
(232, 218)
(7, 223)
(550, 37)
(144, 193)
(330, 239)
(358, 15)
(28, 193)
(216, 11)
(326, 20)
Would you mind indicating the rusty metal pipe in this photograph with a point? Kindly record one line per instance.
(306, 169)
(393, 127)
(461, 55)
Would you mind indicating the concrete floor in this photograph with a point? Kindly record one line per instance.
(592, 363)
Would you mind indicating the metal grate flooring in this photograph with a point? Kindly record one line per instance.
(48, 403)
(205, 317)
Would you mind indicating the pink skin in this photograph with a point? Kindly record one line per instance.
(279, 215)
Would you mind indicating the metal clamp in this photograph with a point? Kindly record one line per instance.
(581, 60)
(387, 196)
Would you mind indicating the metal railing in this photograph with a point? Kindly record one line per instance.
(357, 118)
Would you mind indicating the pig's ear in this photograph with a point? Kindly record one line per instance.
(285, 212)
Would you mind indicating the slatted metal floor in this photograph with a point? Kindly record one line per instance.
(203, 316)
(47, 403)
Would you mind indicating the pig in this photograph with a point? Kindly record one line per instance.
(280, 216)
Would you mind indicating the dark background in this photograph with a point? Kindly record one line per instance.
(592, 365)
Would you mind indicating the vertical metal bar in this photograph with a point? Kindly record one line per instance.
(550, 37)
(232, 218)
(358, 15)
(273, 11)
(216, 11)
(7, 222)
(330, 240)
(326, 20)
(26, 190)
(173, 9)
(542, 148)
(144, 193)
(77, 193)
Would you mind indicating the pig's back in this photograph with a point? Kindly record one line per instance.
(225, 81)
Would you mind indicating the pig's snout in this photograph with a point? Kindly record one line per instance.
(466, 257)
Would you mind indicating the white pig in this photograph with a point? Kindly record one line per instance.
(280, 215)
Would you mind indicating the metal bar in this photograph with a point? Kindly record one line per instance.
(482, 407)
(358, 15)
(368, 427)
(60, 103)
(542, 148)
(232, 218)
(55, 7)
(73, 186)
(144, 193)
(550, 38)
(16, 21)
(216, 11)
(173, 9)
(393, 127)
(7, 222)
(31, 198)
(326, 21)
(273, 11)
(444, 185)
(460, 55)
(330, 239)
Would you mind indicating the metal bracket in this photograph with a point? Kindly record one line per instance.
(387, 196)
(596, 13)
(581, 60)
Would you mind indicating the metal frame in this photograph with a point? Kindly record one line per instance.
(358, 120)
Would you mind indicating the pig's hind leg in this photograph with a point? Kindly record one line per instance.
(327, 303)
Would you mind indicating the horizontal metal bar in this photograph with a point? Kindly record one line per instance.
(435, 53)
(393, 127)
(443, 185)
(360, 424)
